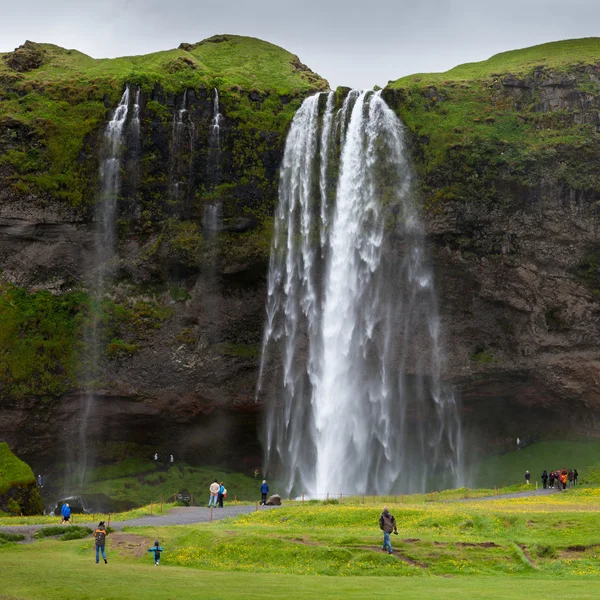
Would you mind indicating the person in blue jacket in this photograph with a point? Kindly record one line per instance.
(157, 550)
(221, 494)
(264, 490)
(65, 511)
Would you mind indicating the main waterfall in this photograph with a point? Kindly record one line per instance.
(351, 362)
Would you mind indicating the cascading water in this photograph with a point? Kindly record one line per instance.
(213, 217)
(351, 351)
(213, 165)
(181, 169)
(106, 219)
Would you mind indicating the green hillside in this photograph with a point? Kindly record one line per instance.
(222, 61)
(558, 56)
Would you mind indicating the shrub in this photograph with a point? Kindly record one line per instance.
(71, 532)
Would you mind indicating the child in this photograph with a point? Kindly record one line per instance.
(157, 550)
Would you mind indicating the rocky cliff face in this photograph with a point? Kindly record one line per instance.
(511, 196)
(507, 161)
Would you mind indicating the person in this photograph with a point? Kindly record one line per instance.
(575, 476)
(214, 493)
(545, 478)
(570, 477)
(256, 473)
(221, 494)
(157, 550)
(264, 490)
(156, 458)
(527, 477)
(387, 524)
(65, 511)
(518, 443)
(563, 478)
(551, 479)
(100, 535)
(40, 481)
(172, 460)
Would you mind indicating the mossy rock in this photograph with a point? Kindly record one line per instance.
(18, 487)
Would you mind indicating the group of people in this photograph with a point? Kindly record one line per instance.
(218, 493)
(559, 479)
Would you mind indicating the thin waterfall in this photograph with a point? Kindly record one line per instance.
(106, 220)
(352, 360)
(180, 171)
(213, 165)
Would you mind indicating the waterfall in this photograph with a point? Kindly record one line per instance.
(106, 219)
(352, 358)
(213, 174)
(180, 170)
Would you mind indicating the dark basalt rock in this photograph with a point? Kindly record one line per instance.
(25, 58)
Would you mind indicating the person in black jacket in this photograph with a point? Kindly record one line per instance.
(545, 478)
(387, 524)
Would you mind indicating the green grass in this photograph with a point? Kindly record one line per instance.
(147, 486)
(221, 61)
(13, 471)
(557, 56)
(493, 549)
(509, 469)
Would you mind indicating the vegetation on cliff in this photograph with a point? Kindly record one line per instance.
(54, 101)
(18, 488)
(510, 116)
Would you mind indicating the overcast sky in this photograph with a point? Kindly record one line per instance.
(358, 44)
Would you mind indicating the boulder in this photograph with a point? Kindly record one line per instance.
(274, 500)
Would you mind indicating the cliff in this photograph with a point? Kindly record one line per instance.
(506, 152)
(181, 324)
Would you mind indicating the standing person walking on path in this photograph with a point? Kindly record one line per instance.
(575, 476)
(65, 511)
(387, 524)
(214, 493)
(100, 535)
(221, 494)
(527, 477)
(264, 490)
(545, 478)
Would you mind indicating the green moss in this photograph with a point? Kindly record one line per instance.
(482, 357)
(13, 471)
(39, 338)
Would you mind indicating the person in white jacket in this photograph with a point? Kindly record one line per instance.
(214, 493)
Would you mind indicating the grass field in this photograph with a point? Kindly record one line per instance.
(509, 468)
(497, 548)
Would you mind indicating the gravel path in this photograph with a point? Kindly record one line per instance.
(176, 516)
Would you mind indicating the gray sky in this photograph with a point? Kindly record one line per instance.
(352, 43)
